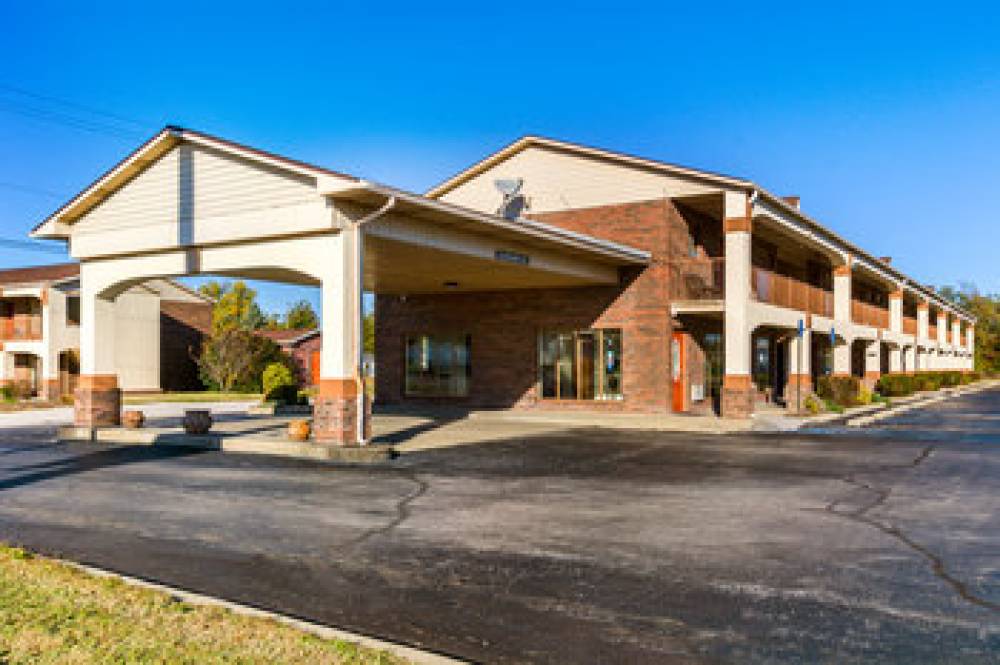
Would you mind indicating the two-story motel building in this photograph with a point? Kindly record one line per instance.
(593, 280)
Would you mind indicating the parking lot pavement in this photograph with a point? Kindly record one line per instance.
(577, 545)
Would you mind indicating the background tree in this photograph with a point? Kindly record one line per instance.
(234, 359)
(368, 332)
(986, 309)
(235, 305)
(301, 316)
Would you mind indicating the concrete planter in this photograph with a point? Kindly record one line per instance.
(299, 430)
(133, 419)
(197, 421)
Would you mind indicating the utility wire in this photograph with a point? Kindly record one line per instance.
(32, 246)
(68, 114)
(30, 189)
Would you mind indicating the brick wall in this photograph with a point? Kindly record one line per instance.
(183, 326)
(505, 325)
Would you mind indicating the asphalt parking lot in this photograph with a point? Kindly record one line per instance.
(575, 546)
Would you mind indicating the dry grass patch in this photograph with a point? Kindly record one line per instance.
(201, 396)
(52, 613)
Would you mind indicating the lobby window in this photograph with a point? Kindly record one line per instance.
(437, 365)
(585, 364)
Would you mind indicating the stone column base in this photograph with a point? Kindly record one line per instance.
(97, 401)
(792, 388)
(737, 396)
(335, 413)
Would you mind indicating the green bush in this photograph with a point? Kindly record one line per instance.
(895, 385)
(832, 406)
(950, 379)
(927, 380)
(841, 390)
(812, 404)
(7, 393)
(279, 384)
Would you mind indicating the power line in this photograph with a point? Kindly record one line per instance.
(31, 246)
(65, 102)
(67, 113)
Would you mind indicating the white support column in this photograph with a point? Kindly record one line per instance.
(923, 320)
(842, 318)
(896, 358)
(942, 327)
(896, 311)
(98, 397)
(970, 344)
(873, 362)
(956, 333)
(736, 389)
(910, 359)
(341, 404)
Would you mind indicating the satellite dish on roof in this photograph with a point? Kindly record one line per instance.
(514, 202)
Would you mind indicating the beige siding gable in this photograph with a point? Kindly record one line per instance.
(196, 195)
(558, 180)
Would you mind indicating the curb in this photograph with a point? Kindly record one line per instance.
(867, 419)
(411, 654)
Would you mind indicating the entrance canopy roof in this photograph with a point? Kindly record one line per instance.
(184, 190)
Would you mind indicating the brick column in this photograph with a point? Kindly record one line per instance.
(98, 401)
(341, 410)
(336, 409)
(737, 393)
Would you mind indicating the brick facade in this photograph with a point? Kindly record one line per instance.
(183, 326)
(505, 325)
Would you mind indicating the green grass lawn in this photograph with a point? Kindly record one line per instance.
(202, 396)
(53, 613)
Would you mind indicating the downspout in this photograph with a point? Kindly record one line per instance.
(359, 270)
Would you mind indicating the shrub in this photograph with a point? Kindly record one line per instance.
(832, 406)
(895, 385)
(930, 380)
(279, 384)
(7, 393)
(22, 390)
(949, 379)
(864, 395)
(234, 360)
(812, 404)
(842, 390)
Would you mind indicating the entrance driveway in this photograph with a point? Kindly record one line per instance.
(568, 545)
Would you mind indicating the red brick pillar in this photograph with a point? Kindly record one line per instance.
(335, 412)
(98, 401)
(51, 389)
(737, 396)
(792, 387)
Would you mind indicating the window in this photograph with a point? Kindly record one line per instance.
(73, 310)
(586, 364)
(437, 365)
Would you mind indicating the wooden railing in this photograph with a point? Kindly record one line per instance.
(20, 327)
(785, 291)
(909, 325)
(867, 314)
(697, 278)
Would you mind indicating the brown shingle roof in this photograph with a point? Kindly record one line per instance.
(58, 271)
(285, 336)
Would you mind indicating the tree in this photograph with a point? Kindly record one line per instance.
(234, 359)
(301, 316)
(986, 309)
(368, 332)
(235, 305)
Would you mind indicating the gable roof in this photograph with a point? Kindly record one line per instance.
(52, 273)
(531, 140)
(288, 337)
(719, 179)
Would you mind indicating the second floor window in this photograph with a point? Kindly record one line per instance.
(73, 311)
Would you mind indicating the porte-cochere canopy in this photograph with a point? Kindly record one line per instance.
(186, 203)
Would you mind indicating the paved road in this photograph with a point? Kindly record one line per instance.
(580, 546)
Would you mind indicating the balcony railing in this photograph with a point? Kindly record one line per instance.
(20, 328)
(785, 291)
(697, 278)
(909, 325)
(869, 315)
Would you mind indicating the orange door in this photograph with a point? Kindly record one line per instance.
(677, 368)
(314, 368)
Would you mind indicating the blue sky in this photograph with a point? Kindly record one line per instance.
(883, 117)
